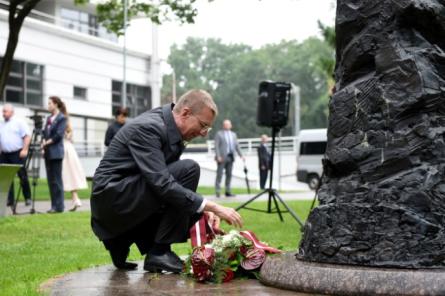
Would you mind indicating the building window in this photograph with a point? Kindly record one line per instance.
(84, 22)
(24, 85)
(79, 93)
(138, 98)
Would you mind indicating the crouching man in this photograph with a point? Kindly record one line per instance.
(144, 194)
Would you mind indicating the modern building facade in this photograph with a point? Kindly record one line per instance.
(63, 51)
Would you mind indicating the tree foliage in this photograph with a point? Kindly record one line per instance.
(111, 13)
(232, 72)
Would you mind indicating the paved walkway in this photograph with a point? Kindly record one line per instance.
(43, 206)
(106, 280)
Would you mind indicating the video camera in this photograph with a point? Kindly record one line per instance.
(38, 121)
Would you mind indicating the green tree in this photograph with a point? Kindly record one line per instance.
(110, 14)
(232, 74)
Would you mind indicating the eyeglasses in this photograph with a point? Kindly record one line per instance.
(204, 126)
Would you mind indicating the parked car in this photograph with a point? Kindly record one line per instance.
(310, 151)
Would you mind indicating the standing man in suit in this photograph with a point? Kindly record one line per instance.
(263, 160)
(53, 150)
(226, 144)
(15, 138)
(144, 194)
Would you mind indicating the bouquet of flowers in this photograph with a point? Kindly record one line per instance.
(224, 256)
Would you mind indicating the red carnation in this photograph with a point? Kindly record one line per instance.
(253, 258)
(228, 275)
(202, 262)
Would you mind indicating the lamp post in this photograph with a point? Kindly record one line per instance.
(124, 80)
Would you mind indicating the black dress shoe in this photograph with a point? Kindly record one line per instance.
(119, 257)
(52, 211)
(230, 194)
(169, 261)
(28, 202)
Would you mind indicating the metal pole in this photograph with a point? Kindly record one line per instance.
(279, 161)
(174, 86)
(155, 68)
(124, 82)
(297, 110)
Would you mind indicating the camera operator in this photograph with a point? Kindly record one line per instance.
(15, 138)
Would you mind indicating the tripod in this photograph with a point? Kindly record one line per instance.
(272, 193)
(33, 159)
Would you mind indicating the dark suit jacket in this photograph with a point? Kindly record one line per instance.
(55, 132)
(112, 130)
(263, 157)
(132, 181)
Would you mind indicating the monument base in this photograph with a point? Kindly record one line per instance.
(286, 272)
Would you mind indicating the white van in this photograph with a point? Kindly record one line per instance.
(310, 152)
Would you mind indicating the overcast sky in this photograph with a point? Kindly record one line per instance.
(252, 22)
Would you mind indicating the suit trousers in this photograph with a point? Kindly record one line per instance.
(14, 158)
(263, 178)
(227, 166)
(167, 226)
(55, 183)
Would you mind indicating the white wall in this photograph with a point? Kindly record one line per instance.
(74, 59)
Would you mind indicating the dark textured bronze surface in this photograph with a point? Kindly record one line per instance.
(382, 202)
(283, 271)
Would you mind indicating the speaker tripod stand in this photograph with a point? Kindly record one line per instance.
(272, 194)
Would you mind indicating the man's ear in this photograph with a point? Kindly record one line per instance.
(186, 111)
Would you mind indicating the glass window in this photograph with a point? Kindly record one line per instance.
(17, 67)
(24, 89)
(34, 99)
(138, 98)
(33, 70)
(80, 93)
(33, 84)
(312, 148)
(15, 81)
(14, 96)
(116, 86)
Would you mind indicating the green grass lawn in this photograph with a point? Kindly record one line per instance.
(36, 248)
(42, 190)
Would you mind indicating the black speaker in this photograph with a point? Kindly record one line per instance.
(273, 104)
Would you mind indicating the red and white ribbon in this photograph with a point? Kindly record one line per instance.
(257, 243)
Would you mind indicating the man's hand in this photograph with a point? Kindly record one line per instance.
(23, 153)
(213, 220)
(219, 159)
(229, 215)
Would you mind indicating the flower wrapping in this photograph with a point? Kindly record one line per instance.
(222, 257)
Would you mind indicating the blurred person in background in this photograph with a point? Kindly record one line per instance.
(226, 144)
(15, 138)
(52, 146)
(263, 160)
(120, 115)
(73, 175)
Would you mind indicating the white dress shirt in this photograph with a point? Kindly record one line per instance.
(12, 133)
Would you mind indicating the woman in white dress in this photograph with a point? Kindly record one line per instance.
(73, 174)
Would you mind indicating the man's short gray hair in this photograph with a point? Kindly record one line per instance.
(196, 99)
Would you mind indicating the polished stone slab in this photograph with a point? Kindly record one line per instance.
(106, 280)
(286, 272)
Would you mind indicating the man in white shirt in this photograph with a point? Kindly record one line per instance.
(15, 138)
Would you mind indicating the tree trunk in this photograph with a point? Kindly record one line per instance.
(16, 18)
(382, 202)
